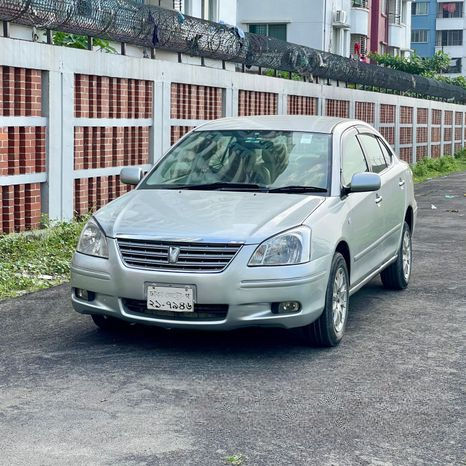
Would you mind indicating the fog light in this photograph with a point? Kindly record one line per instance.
(84, 294)
(287, 307)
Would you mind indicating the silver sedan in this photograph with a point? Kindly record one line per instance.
(254, 221)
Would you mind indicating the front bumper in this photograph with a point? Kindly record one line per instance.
(248, 291)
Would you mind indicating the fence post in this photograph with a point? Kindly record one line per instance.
(235, 102)
(414, 135)
(161, 119)
(396, 127)
(377, 115)
(352, 107)
(228, 102)
(429, 131)
(463, 118)
(442, 131)
(52, 189)
(68, 146)
(282, 104)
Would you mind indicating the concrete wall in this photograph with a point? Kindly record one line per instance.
(70, 119)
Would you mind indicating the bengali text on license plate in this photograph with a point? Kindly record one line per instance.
(170, 298)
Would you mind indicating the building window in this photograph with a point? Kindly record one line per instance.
(178, 5)
(419, 36)
(358, 46)
(455, 66)
(383, 7)
(277, 31)
(361, 4)
(209, 9)
(420, 8)
(445, 38)
(450, 10)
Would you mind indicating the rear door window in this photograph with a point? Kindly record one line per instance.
(373, 152)
(386, 152)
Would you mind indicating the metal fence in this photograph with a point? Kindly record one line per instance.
(128, 21)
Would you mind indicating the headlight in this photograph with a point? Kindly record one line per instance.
(92, 240)
(288, 248)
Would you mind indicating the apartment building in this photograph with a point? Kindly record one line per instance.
(212, 10)
(351, 28)
(321, 24)
(423, 19)
(440, 25)
(344, 27)
(390, 27)
(450, 34)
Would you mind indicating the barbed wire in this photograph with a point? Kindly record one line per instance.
(150, 26)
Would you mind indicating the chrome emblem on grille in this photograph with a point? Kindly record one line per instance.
(173, 254)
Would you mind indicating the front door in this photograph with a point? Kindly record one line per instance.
(364, 226)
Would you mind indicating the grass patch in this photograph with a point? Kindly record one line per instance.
(433, 168)
(236, 460)
(39, 259)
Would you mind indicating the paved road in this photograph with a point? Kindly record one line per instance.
(392, 393)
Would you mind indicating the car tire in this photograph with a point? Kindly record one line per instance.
(396, 276)
(108, 323)
(328, 329)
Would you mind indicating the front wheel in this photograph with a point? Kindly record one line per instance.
(329, 328)
(396, 276)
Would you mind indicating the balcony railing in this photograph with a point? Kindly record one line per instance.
(394, 18)
(361, 4)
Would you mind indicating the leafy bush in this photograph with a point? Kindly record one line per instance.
(431, 168)
(414, 64)
(76, 41)
(39, 259)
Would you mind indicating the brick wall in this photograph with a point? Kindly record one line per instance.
(22, 148)
(257, 103)
(108, 146)
(111, 120)
(365, 111)
(92, 193)
(302, 105)
(337, 108)
(193, 102)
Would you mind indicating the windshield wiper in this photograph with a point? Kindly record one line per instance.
(224, 186)
(298, 189)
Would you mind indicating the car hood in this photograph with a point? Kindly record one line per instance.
(202, 216)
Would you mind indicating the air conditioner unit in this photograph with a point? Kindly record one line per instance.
(340, 17)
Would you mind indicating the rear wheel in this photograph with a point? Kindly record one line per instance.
(396, 276)
(328, 330)
(108, 323)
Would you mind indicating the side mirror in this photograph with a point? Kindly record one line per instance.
(364, 182)
(131, 175)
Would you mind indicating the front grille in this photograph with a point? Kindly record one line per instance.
(194, 257)
(201, 311)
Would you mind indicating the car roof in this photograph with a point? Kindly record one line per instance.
(317, 124)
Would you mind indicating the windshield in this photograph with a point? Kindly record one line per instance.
(264, 160)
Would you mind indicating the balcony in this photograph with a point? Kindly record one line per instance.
(360, 17)
(445, 24)
(396, 35)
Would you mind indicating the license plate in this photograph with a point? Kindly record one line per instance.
(175, 298)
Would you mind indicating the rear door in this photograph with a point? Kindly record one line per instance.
(390, 195)
(364, 226)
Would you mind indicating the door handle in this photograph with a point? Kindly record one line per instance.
(401, 183)
(378, 199)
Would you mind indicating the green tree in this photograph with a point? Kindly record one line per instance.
(429, 67)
